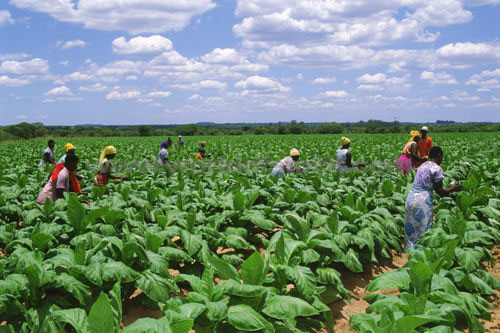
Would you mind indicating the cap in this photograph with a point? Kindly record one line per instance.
(425, 129)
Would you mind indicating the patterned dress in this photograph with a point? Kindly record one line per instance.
(418, 208)
(342, 160)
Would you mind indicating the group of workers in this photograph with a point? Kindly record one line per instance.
(418, 152)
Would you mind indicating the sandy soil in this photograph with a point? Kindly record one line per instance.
(494, 324)
(356, 283)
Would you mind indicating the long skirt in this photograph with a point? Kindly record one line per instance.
(101, 180)
(405, 163)
(278, 170)
(418, 215)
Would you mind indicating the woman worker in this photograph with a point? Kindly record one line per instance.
(409, 158)
(62, 179)
(418, 208)
(286, 164)
(163, 154)
(344, 157)
(104, 168)
(201, 152)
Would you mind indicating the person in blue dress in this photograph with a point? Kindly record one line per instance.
(418, 209)
(163, 154)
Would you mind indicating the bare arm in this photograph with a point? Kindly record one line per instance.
(445, 192)
(349, 163)
(414, 154)
(48, 158)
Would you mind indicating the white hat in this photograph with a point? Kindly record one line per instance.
(425, 129)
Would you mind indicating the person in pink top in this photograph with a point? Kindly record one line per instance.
(62, 179)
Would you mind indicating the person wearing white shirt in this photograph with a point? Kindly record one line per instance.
(286, 164)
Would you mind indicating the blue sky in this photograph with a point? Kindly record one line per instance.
(66, 62)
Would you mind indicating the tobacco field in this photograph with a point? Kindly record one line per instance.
(219, 245)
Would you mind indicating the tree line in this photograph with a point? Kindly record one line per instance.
(38, 130)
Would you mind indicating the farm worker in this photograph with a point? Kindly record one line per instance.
(104, 168)
(424, 144)
(409, 157)
(286, 164)
(181, 141)
(344, 156)
(62, 179)
(418, 208)
(163, 154)
(169, 141)
(201, 152)
(48, 154)
(69, 149)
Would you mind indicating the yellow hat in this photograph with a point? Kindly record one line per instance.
(294, 152)
(109, 150)
(68, 146)
(344, 141)
(413, 134)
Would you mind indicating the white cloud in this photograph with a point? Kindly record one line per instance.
(372, 79)
(5, 18)
(261, 84)
(14, 56)
(22, 116)
(73, 43)
(59, 91)
(370, 87)
(204, 84)
(78, 76)
(142, 45)
(116, 95)
(145, 16)
(223, 56)
(160, 94)
(334, 94)
(172, 58)
(462, 55)
(486, 81)
(13, 82)
(34, 66)
(93, 88)
(324, 80)
(441, 78)
(195, 97)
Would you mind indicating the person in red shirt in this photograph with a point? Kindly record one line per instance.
(424, 144)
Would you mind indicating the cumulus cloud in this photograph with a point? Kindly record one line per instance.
(5, 18)
(334, 94)
(223, 56)
(146, 16)
(441, 78)
(204, 84)
(160, 94)
(486, 80)
(324, 80)
(93, 88)
(141, 45)
(118, 96)
(12, 82)
(261, 84)
(59, 91)
(372, 79)
(71, 44)
(34, 66)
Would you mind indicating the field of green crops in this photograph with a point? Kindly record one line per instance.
(220, 246)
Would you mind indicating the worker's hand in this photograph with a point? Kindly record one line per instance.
(300, 169)
(79, 177)
(455, 187)
(453, 196)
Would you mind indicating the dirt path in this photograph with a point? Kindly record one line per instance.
(494, 324)
(356, 283)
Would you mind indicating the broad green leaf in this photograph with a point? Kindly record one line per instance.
(223, 269)
(288, 307)
(244, 318)
(101, 316)
(252, 270)
(75, 317)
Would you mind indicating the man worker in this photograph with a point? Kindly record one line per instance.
(424, 144)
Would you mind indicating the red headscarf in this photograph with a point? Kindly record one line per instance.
(75, 186)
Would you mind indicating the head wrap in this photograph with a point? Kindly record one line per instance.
(344, 141)
(425, 128)
(164, 144)
(109, 150)
(413, 134)
(202, 143)
(294, 152)
(68, 146)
